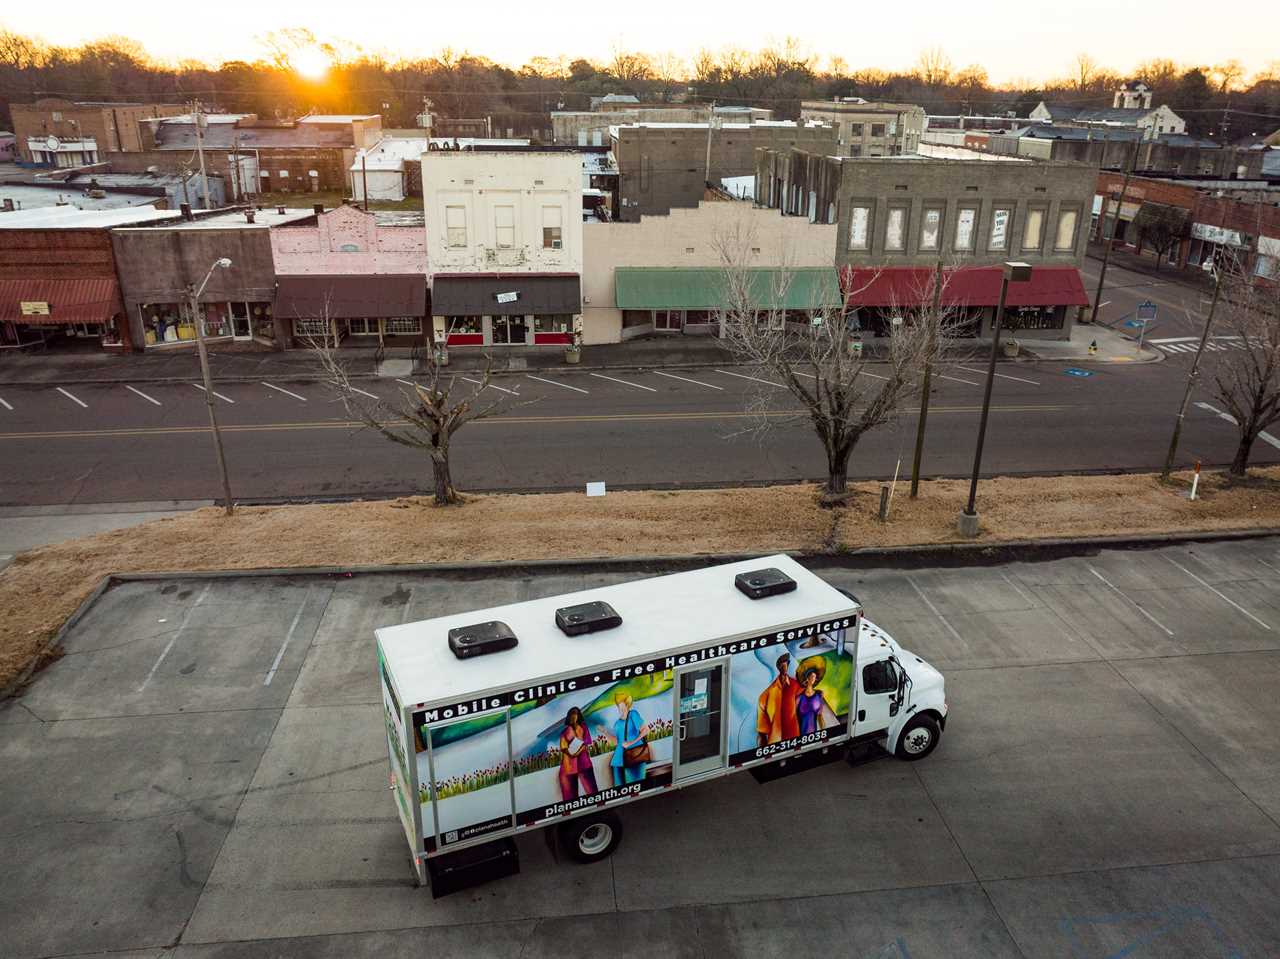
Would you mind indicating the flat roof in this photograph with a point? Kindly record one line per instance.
(336, 117)
(33, 196)
(69, 218)
(235, 219)
(659, 613)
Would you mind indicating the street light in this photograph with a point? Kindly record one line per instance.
(1194, 372)
(193, 298)
(1015, 273)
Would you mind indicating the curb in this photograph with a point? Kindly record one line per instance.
(914, 556)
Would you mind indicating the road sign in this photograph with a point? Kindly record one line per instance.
(1135, 324)
(1146, 310)
(1075, 371)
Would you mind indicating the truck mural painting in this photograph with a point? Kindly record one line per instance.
(609, 735)
(396, 748)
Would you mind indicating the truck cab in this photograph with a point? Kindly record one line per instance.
(901, 699)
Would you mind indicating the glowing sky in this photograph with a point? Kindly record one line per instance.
(1013, 40)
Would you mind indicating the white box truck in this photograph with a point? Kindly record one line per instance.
(558, 711)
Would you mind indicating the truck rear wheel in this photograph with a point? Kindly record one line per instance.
(918, 739)
(590, 838)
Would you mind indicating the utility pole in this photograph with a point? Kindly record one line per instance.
(1191, 379)
(934, 325)
(1108, 241)
(235, 169)
(204, 179)
(364, 177)
(711, 121)
(193, 301)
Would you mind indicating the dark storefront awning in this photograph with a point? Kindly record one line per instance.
(965, 286)
(94, 300)
(513, 294)
(351, 297)
(657, 288)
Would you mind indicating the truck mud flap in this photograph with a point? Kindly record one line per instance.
(469, 867)
(782, 768)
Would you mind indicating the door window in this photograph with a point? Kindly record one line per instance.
(879, 678)
(509, 330)
(699, 746)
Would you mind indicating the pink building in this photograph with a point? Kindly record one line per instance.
(358, 277)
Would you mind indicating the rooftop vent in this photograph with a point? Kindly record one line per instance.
(587, 618)
(280, 210)
(481, 639)
(759, 583)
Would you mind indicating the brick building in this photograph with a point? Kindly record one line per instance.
(898, 217)
(868, 129)
(591, 127)
(56, 131)
(663, 166)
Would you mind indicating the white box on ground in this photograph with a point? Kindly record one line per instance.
(595, 489)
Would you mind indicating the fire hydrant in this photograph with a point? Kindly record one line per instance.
(1093, 348)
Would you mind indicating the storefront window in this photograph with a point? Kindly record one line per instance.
(402, 325)
(465, 324)
(217, 319)
(553, 323)
(166, 323)
(362, 326)
(264, 324)
(699, 316)
(111, 332)
(1031, 318)
(311, 326)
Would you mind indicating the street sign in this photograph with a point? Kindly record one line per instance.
(34, 307)
(1135, 324)
(1075, 371)
(1146, 310)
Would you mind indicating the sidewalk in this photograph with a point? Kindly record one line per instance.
(1191, 279)
(1113, 347)
(26, 527)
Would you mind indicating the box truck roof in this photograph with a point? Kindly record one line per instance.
(659, 613)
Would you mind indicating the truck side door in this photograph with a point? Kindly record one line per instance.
(877, 685)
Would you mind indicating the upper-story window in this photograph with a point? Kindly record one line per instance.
(860, 228)
(895, 229)
(855, 130)
(966, 218)
(1033, 230)
(931, 228)
(1065, 239)
(552, 237)
(455, 225)
(999, 228)
(504, 227)
(877, 129)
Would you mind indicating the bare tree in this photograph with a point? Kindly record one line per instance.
(815, 355)
(1228, 74)
(629, 66)
(933, 67)
(1162, 227)
(424, 416)
(1084, 72)
(1245, 377)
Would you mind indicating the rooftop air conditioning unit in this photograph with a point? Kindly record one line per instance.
(759, 583)
(481, 639)
(587, 618)
(556, 245)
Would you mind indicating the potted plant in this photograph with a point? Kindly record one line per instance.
(1011, 347)
(573, 349)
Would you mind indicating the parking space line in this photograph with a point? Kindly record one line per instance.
(1017, 589)
(611, 379)
(1264, 435)
(6, 405)
(1220, 595)
(576, 389)
(491, 385)
(149, 399)
(73, 399)
(287, 637)
(1133, 602)
(407, 383)
(934, 609)
(281, 389)
(1003, 376)
(214, 392)
(710, 386)
(743, 376)
(177, 633)
(363, 393)
(956, 379)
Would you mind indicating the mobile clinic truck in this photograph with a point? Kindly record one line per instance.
(559, 711)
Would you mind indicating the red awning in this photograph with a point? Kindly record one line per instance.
(70, 301)
(906, 286)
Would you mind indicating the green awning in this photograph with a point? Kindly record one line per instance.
(657, 288)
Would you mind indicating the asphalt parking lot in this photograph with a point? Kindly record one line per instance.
(204, 774)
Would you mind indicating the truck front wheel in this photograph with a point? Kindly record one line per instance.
(590, 838)
(918, 739)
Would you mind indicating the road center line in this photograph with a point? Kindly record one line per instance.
(6, 405)
(743, 376)
(1133, 602)
(73, 399)
(934, 609)
(710, 386)
(639, 386)
(149, 399)
(1216, 592)
(186, 617)
(287, 637)
(491, 385)
(214, 392)
(1003, 376)
(576, 389)
(280, 389)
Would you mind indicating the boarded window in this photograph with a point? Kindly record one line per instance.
(999, 228)
(859, 227)
(1033, 231)
(965, 220)
(895, 229)
(1066, 238)
(504, 227)
(931, 228)
(552, 238)
(455, 224)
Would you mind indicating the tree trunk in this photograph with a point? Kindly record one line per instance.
(837, 474)
(1240, 465)
(446, 495)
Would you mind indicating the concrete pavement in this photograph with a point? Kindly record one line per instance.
(26, 527)
(1106, 785)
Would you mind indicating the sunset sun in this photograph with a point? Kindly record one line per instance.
(311, 62)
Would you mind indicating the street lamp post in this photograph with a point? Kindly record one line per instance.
(1192, 374)
(1016, 273)
(193, 298)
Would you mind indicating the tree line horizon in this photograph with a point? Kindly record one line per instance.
(1214, 99)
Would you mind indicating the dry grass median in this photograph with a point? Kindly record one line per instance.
(44, 586)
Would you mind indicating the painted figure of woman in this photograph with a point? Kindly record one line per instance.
(576, 772)
(631, 755)
(810, 703)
